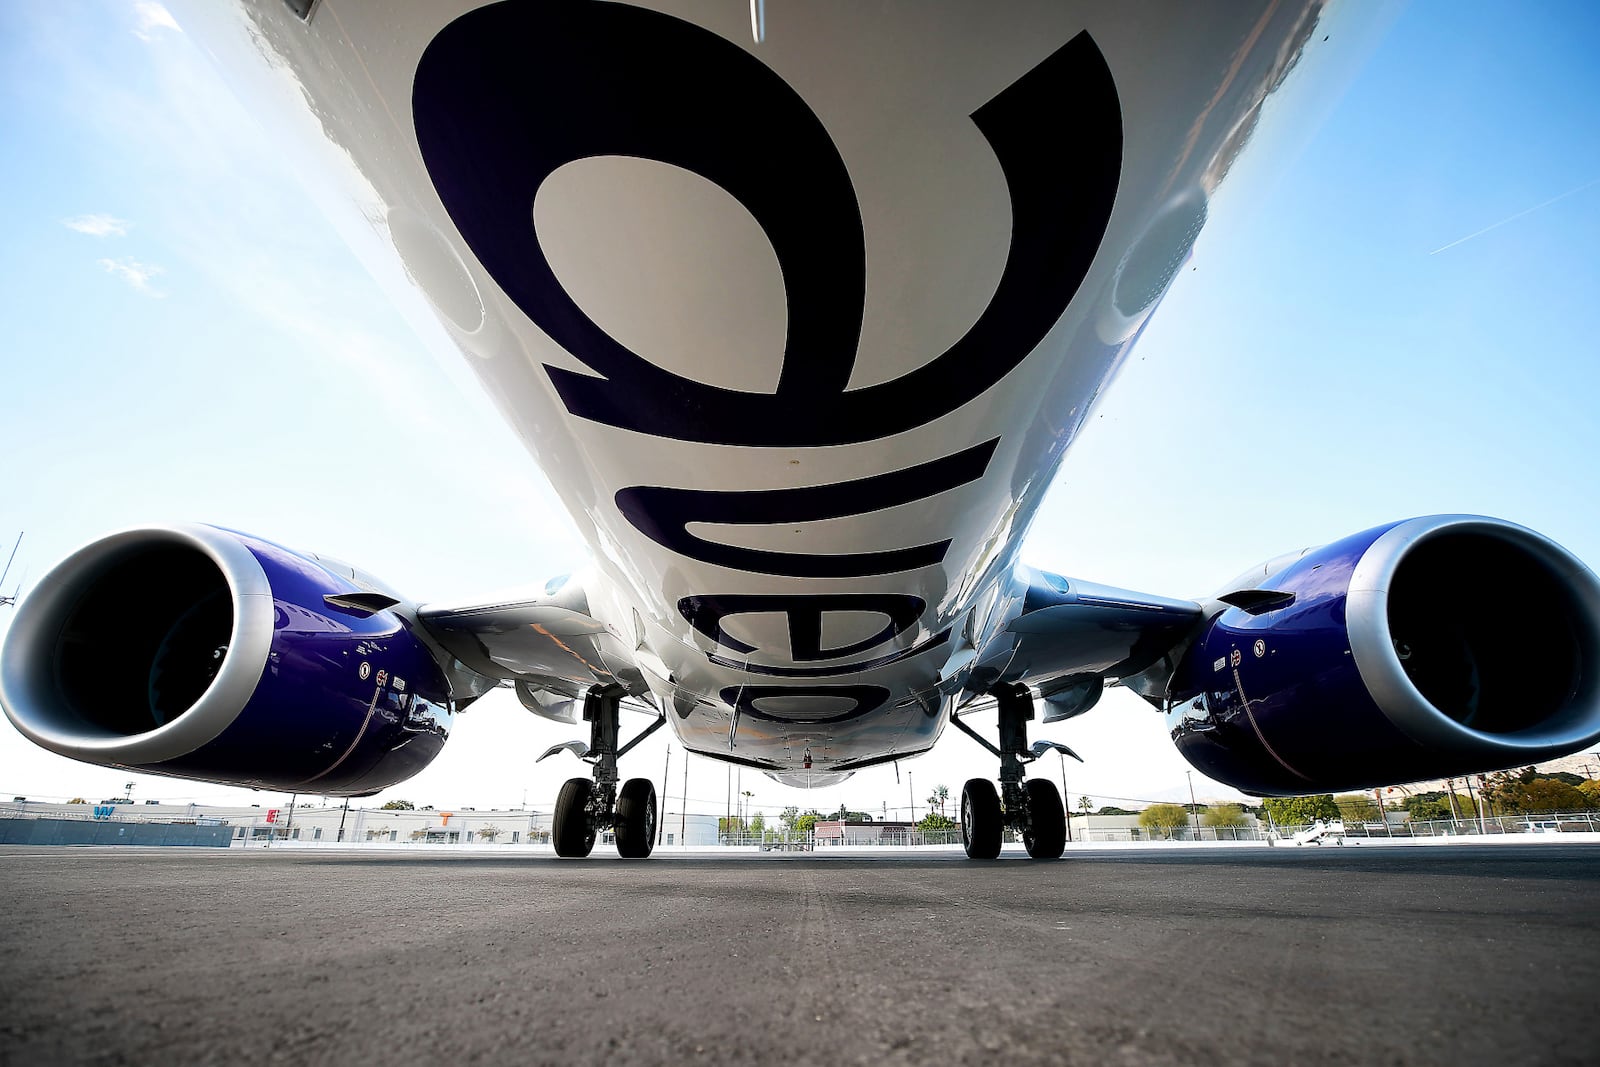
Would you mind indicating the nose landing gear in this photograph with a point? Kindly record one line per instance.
(585, 807)
(1032, 808)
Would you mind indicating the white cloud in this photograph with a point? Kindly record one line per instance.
(100, 225)
(135, 274)
(151, 17)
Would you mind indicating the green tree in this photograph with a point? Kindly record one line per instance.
(1164, 818)
(398, 805)
(1223, 815)
(788, 816)
(940, 797)
(1298, 811)
(489, 833)
(1525, 790)
(1548, 794)
(934, 821)
(807, 823)
(77, 800)
(1591, 790)
(1436, 805)
(1112, 809)
(758, 824)
(1357, 807)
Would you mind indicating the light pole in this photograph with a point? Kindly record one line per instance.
(1194, 809)
(1062, 756)
(912, 790)
(661, 823)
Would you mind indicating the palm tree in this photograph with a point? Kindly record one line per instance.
(941, 793)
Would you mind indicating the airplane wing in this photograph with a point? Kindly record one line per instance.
(547, 645)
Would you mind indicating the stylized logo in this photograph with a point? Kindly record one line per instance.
(507, 94)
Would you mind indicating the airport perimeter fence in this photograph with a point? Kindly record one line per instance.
(855, 836)
(22, 824)
(1529, 823)
(115, 823)
(1564, 822)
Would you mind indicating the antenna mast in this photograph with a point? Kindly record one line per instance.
(7, 601)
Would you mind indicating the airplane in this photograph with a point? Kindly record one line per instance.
(933, 234)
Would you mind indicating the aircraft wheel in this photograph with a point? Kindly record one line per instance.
(980, 819)
(1046, 836)
(572, 834)
(636, 819)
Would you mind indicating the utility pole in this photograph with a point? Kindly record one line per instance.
(288, 827)
(1194, 809)
(661, 822)
(346, 811)
(912, 789)
(683, 815)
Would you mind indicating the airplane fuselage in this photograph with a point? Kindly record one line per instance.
(800, 330)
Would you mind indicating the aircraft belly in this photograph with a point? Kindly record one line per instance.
(841, 727)
(799, 330)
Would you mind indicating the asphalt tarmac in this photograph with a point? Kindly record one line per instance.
(1457, 955)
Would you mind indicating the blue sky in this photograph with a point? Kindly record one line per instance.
(187, 339)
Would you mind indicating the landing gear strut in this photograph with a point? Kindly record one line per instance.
(585, 807)
(1032, 808)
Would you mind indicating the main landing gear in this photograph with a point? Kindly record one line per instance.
(584, 807)
(1032, 808)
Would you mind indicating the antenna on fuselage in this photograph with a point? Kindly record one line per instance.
(7, 601)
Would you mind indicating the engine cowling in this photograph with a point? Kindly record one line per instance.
(198, 652)
(1428, 648)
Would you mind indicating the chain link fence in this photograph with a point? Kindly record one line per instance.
(533, 831)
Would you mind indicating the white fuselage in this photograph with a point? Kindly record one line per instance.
(799, 330)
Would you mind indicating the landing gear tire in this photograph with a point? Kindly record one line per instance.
(636, 819)
(980, 819)
(572, 832)
(1046, 835)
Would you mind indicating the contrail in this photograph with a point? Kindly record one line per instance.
(1514, 218)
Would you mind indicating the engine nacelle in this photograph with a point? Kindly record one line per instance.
(1427, 648)
(201, 653)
